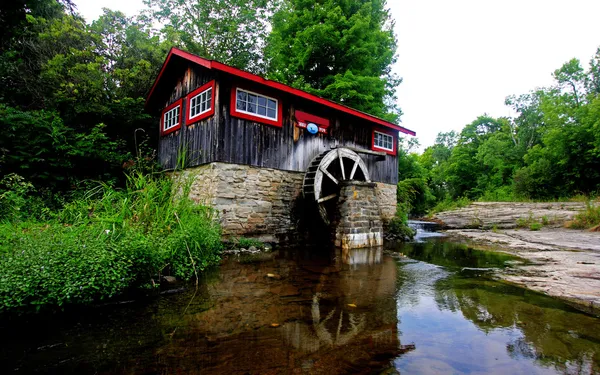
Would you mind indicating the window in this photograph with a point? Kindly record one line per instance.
(383, 142)
(171, 118)
(256, 107)
(200, 103)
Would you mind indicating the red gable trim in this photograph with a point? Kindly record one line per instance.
(210, 64)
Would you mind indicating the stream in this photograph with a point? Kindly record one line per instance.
(427, 307)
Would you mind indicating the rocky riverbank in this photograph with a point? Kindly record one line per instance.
(562, 263)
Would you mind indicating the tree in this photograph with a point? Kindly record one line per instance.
(342, 50)
(230, 31)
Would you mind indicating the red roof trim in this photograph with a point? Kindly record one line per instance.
(210, 64)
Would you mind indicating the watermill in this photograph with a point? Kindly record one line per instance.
(326, 171)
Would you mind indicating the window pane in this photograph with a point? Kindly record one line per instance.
(271, 104)
(271, 113)
(241, 95)
(262, 110)
(251, 98)
(251, 107)
(241, 105)
(262, 101)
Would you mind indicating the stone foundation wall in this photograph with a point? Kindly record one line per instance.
(252, 202)
(386, 197)
(262, 203)
(359, 222)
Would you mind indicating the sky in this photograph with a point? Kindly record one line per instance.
(460, 59)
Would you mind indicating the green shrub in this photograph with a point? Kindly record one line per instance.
(105, 242)
(588, 218)
(535, 226)
(399, 229)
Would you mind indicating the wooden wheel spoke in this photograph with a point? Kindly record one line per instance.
(342, 164)
(327, 198)
(354, 169)
(326, 173)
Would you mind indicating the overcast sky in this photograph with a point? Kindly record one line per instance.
(459, 59)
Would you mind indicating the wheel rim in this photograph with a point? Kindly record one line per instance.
(326, 171)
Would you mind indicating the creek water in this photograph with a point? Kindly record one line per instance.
(428, 307)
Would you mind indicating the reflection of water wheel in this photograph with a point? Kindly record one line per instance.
(321, 181)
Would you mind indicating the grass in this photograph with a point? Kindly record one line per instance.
(449, 205)
(589, 218)
(105, 242)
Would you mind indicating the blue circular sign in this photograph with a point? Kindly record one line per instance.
(312, 128)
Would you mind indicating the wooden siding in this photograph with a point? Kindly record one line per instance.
(224, 138)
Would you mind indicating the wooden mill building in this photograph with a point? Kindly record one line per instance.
(261, 152)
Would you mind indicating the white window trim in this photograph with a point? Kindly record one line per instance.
(381, 147)
(176, 115)
(256, 114)
(207, 109)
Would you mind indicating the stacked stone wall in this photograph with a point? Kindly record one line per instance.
(359, 221)
(251, 201)
(264, 203)
(386, 198)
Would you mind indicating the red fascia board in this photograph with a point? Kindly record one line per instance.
(280, 86)
(210, 64)
(394, 141)
(189, 121)
(177, 52)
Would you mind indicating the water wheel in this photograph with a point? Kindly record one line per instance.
(322, 179)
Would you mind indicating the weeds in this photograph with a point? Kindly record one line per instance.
(589, 218)
(450, 204)
(106, 241)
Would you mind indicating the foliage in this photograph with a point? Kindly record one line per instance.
(72, 94)
(104, 242)
(399, 229)
(549, 150)
(589, 218)
(449, 204)
(340, 50)
(230, 31)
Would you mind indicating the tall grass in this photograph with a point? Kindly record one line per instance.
(105, 242)
(589, 218)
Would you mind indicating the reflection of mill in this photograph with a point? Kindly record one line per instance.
(351, 307)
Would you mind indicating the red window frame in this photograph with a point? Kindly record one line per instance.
(386, 132)
(247, 116)
(188, 100)
(162, 118)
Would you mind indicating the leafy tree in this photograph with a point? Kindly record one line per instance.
(230, 31)
(338, 49)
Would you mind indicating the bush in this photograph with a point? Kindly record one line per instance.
(397, 228)
(105, 242)
(415, 194)
(588, 218)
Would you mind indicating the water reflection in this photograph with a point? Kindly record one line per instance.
(324, 312)
(464, 322)
(295, 311)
